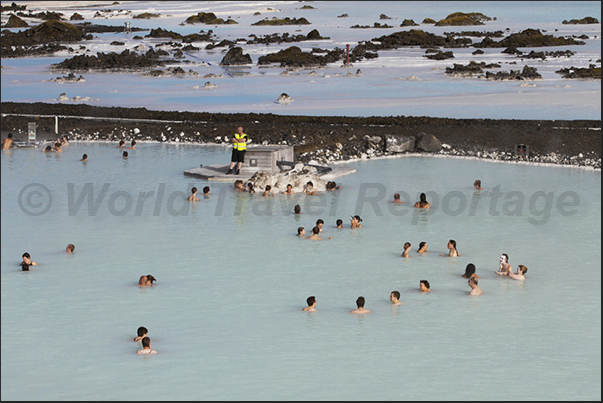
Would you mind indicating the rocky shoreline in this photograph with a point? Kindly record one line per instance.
(321, 139)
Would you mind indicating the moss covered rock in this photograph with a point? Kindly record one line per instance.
(461, 19)
(15, 22)
(282, 21)
(208, 18)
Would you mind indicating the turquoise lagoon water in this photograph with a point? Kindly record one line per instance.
(225, 314)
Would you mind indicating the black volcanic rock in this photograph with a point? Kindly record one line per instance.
(235, 56)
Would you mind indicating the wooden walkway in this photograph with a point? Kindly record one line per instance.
(218, 173)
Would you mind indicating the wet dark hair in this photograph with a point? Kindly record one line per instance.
(121, 142)
(146, 341)
(206, 189)
(358, 218)
(320, 221)
(150, 278)
(311, 300)
(297, 209)
(423, 198)
(141, 331)
(407, 245)
(310, 183)
(27, 255)
(360, 302)
(396, 196)
(194, 190)
(469, 270)
(523, 269)
(288, 184)
(125, 154)
(268, 187)
(339, 222)
(10, 135)
(421, 245)
(425, 282)
(84, 156)
(24, 266)
(477, 183)
(48, 148)
(299, 230)
(396, 294)
(316, 230)
(133, 142)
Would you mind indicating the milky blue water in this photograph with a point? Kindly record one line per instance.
(383, 88)
(226, 312)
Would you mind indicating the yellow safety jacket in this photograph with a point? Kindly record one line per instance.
(240, 146)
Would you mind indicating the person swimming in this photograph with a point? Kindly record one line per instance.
(407, 247)
(355, 222)
(146, 346)
(146, 280)
(475, 289)
(520, 273)
(360, 306)
(470, 271)
(141, 333)
(504, 267)
(424, 286)
(452, 251)
(311, 301)
(422, 247)
(422, 203)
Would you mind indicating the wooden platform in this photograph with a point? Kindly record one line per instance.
(218, 172)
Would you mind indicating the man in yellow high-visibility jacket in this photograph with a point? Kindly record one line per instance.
(239, 146)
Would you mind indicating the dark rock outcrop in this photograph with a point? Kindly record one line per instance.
(235, 57)
(282, 21)
(15, 22)
(428, 142)
(529, 38)
(208, 18)
(463, 19)
(592, 72)
(46, 37)
(125, 60)
(585, 20)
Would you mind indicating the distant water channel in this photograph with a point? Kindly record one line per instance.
(225, 314)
